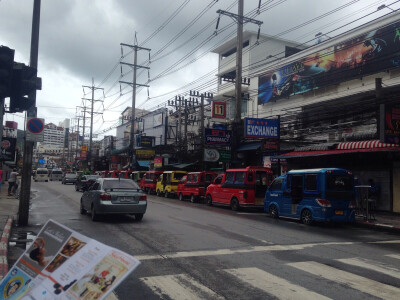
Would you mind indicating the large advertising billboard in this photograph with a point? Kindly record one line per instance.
(366, 54)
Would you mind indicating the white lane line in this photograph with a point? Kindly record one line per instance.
(396, 256)
(179, 287)
(186, 254)
(354, 281)
(386, 242)
(276, 286)
(370, 265)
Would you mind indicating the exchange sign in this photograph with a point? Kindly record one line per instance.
(261, 128)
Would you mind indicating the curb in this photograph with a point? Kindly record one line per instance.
(378, 226)
(4, 247)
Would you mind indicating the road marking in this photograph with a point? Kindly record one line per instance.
(179, 287)
(386, 242)
(396, 256)
(266, 248)
(276, 286)
(354, 281)
(366, 264)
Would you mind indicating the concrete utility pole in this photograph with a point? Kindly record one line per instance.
(240, 19)
(93, 88)
(135, 66)
(23, 210)
(202, 96)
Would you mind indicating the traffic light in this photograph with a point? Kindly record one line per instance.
(24, 81)
(6, 67)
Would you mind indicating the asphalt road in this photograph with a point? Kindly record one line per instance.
(193, 251)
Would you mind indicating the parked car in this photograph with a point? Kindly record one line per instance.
(239, 188)
(114, 196)
(56, 175)
(149, 181)
(83, 183)
(194, 185)
(42, 174)
(167, 183)
(314, 194)
(69, 178)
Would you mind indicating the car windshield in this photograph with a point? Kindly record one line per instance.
(70, 175)
(41, 172)
(91, 177)
(57, 172)
(119, 184)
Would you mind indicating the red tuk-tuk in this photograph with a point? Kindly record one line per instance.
(239, 188)
(194, 185)
(149, 181)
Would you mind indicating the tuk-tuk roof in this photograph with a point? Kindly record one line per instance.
(176, 171)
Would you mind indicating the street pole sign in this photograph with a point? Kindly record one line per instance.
(34, 130)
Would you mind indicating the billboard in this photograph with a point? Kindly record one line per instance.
(219, 109)
(261, 128)
(372, 52)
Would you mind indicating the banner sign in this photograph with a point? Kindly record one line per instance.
(158, 162)
(217, 137)
(219, 109)
(261, 128)
(64, 264)
(365, 54)
(145, 154)
(215, 155)
(392, 124)
(8, 149)
(271, 145)
(145, 141)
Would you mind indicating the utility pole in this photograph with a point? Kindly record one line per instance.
(93, 88)
(202, 96)
(135, 66)
(240, 20)
(23, 210)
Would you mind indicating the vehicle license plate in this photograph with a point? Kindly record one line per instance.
(125, 199)
(338, 212)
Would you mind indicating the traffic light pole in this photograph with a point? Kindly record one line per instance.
(23, 211)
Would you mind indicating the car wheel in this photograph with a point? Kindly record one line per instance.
(235, 204)
(47, 181)
(306, 217)
(93, 214)
(209, 200)
(83, 211)
(192, 198)
(139, 217)
(273, 211)
(166, 195)
(180, 197)
(158, 193)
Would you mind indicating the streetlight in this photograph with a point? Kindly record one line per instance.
(384, 6)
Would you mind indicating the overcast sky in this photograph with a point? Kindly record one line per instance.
(80, 40)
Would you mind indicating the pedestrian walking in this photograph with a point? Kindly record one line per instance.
(12, 180)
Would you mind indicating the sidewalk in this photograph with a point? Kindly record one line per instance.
(8, 213)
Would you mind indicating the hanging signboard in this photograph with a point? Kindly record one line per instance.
(219, 109)
(216, 155)
(145, 141)
(261, 128)
(217, 137)
(145, 154)
(390, 129)
(8, 149)
(158, 162)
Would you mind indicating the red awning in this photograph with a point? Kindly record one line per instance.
(335, 152)
(373, 144)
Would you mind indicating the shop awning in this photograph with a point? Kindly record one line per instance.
(373, 144)
(249, 147)
(144, 163)
(369, 146)
(183, 166)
